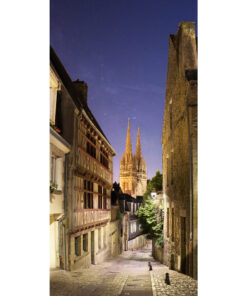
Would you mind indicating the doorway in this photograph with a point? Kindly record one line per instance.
(92, 248)
(183, 245)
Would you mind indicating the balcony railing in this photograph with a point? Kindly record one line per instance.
(90, 216)
(93, 166)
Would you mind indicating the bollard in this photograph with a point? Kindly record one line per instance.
(167, 279)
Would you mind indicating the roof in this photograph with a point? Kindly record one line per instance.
(58, 66)
(68, 83)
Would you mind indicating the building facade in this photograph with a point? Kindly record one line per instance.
(89, 176)
(132, 236)
(59, 149)
(133, 169)
(179, 155)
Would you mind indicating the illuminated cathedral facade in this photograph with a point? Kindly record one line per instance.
(133, 168)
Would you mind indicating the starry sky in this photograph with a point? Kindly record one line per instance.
(120, 48)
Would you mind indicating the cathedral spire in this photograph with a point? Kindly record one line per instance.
(128, 149)
(138, 146)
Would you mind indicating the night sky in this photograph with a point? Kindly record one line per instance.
(120, 48)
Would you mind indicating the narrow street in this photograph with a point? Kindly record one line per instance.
(128, 274)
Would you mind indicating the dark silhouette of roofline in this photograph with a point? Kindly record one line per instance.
(68, 83)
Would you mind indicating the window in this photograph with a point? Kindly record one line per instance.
(78, 246)
(91, 145)
(167, 222)
(133, 227)
(91, 150)
(100, 205)
(56, 171)
(85, 242)
(53, 170)
(104, 199)
(91, 138)
(88, 194)
(104, 158)
(53, 103)
(173, 224)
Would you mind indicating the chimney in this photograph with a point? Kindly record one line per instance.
(81, 90)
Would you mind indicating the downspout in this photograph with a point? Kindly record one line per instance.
(65, 207)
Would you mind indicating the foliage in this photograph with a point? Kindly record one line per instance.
(160, 240)
(53, 187)
(119, 216)
(154, 183)
(148, 214)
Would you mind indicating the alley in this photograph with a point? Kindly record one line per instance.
(127, 274)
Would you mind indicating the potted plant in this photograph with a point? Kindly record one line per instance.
(53, 187)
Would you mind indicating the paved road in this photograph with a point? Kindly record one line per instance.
(126, 275)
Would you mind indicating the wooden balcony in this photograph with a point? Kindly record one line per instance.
(90, 216)
(88, 165)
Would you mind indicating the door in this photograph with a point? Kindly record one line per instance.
(92, 248)
(183, 245)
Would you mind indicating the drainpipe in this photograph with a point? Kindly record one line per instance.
(65, 207)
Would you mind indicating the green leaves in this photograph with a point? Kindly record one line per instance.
(53, 187)
(150, 216)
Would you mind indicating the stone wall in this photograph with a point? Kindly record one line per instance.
(137, 243)
(157, 252)
(179, 156)
(115, 240)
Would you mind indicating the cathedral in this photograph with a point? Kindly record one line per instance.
(133, 169)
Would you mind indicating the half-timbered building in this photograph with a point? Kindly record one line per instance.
(89, 177)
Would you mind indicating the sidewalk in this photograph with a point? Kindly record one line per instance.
(181, 284)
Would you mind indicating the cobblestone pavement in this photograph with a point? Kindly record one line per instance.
(180, 284)
(126, 275)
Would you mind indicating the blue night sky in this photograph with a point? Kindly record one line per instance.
(120, 48)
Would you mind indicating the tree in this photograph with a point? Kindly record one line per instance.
(150, 216)
(154, 183)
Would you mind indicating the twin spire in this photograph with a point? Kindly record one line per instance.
(138, 145)
(128, 149)
(128, 146)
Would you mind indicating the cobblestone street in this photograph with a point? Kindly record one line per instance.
(128, 274)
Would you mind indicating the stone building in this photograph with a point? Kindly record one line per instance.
(132, 236)
(89, 176)
(133, 169)
(179, 156)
